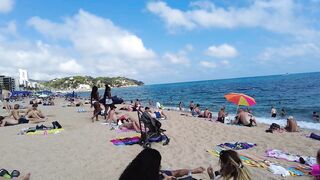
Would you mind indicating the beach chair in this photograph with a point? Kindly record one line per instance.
(152, 130)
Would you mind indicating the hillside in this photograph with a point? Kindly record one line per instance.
(86, 82)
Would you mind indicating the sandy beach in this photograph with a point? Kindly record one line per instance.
(84, 151)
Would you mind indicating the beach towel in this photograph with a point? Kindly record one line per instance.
(314, 136)
(134, 140)
(254, 161)
(238, 145)
(45, 132)
(124, 130)
(308, 160)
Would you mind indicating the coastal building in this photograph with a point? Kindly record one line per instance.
(23, 78)
(7, 83)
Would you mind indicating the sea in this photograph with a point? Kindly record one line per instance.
(297, 94)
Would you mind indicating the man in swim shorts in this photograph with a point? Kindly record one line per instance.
(245, 119)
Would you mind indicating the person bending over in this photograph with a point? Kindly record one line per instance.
(146, 166)
(231, 167)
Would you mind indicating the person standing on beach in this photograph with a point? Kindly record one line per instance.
(106, 100)
(94, 100)
(273, 112)
(6, 94)
(191, 106)
(180, 106)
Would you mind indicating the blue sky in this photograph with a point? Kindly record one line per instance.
(159, 41)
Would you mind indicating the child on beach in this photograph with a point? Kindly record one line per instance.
(231, 167)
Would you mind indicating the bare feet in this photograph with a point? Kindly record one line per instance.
(26, 177)
(210, 172)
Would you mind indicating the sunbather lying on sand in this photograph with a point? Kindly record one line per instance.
(146, 165)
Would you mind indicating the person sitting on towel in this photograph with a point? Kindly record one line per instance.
(112, 114)
(245, 118)
(146, 165)
(222, 115)
(292, 125)
(127, 122)
(231, 167)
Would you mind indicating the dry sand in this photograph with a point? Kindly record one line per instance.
(84, 151)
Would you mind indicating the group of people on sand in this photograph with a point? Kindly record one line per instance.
(30, 115)
(97, 101)
(147, 165)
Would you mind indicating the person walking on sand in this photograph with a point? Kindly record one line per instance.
(273, 112)
(6, 94)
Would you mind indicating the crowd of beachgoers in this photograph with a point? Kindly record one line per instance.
(147, 164)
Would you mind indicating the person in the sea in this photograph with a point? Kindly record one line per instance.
(231, 167)
(180, 106)
(191, 106)
(283, 112)
(292, 125)
(273, 112)
(315, 116)
(222, 115)
(147, 166)
(245, 118)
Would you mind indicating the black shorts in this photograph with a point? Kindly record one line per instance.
(273, 115)
(250, 124)
(23, 120)
(7, 99)
(220, 119)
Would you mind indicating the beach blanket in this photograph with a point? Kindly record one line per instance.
(276, 168)
(238, 145)
(134, 140)
(308, 160)
(33, 131)
(124, 130)
(314, 136)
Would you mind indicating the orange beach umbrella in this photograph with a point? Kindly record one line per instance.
(240, 99)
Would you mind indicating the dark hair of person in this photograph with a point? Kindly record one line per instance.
(231, 166)
(95, 93)
(107, 92)
(146, 108)
(145, 166)
(1, 118)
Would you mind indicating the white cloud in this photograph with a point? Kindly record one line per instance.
(93, 35)
(172, 17)
(91, 46)
(181, 57)
(222, 51)
(207, 64)
(6, 6)
(273, 15)
(293, 51)
(176, 58)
